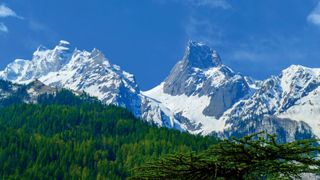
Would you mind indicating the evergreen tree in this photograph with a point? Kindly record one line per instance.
(256, 156)
(71, 137)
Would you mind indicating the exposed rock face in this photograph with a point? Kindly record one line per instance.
(201, 95)
(287, 130)
(13, 93)
(224, 97)
(197, 57)
(233, 105)
(202, 73)
(90, 72)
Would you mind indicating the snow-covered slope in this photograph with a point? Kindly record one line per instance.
(200, 95)
(293, 95)
(209, 97)
(201, 73)
(90, 72)
(200, 89)
(188, 109)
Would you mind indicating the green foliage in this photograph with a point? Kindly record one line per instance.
(257, 156)
(66, 137)
(10, 95)
(66, 97)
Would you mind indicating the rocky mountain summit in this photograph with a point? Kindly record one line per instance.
(90, 72)
(201, 95)
(211, 98)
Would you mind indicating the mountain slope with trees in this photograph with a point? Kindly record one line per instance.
(69, 137)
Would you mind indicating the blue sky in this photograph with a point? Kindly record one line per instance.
(147, 37)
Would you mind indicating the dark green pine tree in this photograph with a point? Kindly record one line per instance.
(256, 156)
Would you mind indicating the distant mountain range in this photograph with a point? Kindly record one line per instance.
(201, 95)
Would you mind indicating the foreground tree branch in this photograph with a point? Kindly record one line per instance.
(257, 156)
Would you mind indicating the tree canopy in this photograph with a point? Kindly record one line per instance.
(68, 137)
(257, 156)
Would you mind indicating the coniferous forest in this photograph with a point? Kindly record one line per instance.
(70, 137)
(160, 90)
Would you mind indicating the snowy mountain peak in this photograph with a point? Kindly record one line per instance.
(63, 46)
(86, 71)
(200, 95)
(300, 70)
(296, 78)
(200, 72)
(64, 43)
(201, 56)
(99, 57)
(60, 51)
(40, 48)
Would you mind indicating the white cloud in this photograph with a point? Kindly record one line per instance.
(314, 16)
(3, 28)
(4, 13)
(7, 12)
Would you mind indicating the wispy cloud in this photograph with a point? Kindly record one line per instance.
(201, 3)
(41, 31)
(280, 50)
(314, 16)
(3, 28)
(246, 55)
(197, 26)
(211, 3)
(7, 12)
(201, 29)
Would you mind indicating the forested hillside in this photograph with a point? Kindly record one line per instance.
(69, 137)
